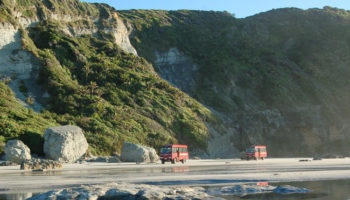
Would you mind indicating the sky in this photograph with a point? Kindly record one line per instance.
(240, 8)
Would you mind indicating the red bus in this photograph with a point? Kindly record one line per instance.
(174, 153)
(256, 152)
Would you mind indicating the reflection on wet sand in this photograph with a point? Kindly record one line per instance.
(44, 173)
(181, 169)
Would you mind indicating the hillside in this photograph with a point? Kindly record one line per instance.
(278, 78)
(73, 66)
(154, 77)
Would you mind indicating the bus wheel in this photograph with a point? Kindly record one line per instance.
(163, 161)
(173, 161)
(183, 161)
(262, 158)
(255, 158)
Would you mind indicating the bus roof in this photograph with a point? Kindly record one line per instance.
(259, 146)
(176, 145)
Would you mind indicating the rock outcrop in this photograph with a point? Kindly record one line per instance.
(21, 65)
(65, 143)
(138, 153)
(177, 68)
(40, 164)
(126, 191)
(106, 159)
(16, 151)
(7, 163)
(140, 191)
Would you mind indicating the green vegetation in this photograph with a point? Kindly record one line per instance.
(17, 121)
(230, 50)
(288, 60)
(284, 60)
(2, 145)
(112, 95)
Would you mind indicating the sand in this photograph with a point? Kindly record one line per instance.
(194, 172)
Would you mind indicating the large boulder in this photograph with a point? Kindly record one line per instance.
(16, 151)
(138, 153)
(65, 143)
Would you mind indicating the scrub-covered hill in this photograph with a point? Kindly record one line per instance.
(279, 78)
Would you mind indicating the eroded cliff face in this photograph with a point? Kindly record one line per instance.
(22, 68)
(177, 68)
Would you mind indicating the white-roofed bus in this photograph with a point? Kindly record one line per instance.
(174, 153)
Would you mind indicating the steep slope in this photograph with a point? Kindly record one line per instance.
(83, 70)
(278, 78)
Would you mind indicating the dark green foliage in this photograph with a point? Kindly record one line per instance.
(239, 51)
(19, 122)
(114, 96)
(284, 59)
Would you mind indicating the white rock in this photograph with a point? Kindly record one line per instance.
(16, 151)
(65, 143)
(125, 191)
(138, 153)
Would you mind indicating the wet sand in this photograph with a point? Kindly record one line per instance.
(194, 172)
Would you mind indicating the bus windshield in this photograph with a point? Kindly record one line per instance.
(165, 150)
(250, 150)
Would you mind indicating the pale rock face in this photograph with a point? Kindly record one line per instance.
(137, 153)
(16, 151)
(28, 22)
(121, 35)
(65, 143)
(177, 68)
(15, 62)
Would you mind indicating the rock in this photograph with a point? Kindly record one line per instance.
(16, 151)
(40, 164)
(107, 159)
(8, 163)
(288, 189)
(241, 190)
(317, 158)
(330, 156)
(138, 153)
(126, 191)
(65, 143)
(304, 160)
(249, 189)
(113, 159)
